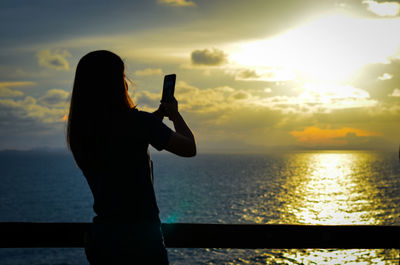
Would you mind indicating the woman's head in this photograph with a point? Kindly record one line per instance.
(100, 78)
(99, 97)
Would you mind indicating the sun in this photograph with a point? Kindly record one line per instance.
(321, 57)
(330, 48)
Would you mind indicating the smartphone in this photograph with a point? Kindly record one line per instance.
(168, 88)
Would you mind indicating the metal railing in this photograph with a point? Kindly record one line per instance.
(185, 235)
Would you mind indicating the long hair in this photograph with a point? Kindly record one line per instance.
(99, 98)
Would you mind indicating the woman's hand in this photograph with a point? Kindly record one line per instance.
(159, 112)
(170, 109)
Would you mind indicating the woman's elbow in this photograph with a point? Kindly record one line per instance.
(191, 152)
(182, 146)
(194, 148)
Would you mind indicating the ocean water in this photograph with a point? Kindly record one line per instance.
(331, 187)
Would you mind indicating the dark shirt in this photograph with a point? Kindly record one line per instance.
(123, 188)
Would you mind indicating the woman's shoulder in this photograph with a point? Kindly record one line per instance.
(142, 116)
(139, 113)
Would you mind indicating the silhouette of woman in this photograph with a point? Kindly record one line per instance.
(109, 139)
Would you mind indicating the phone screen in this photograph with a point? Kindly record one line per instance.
(168, 88)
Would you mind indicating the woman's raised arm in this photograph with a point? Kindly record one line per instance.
(182, 142)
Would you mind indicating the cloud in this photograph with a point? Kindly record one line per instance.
(383, 9)
(6, 91)
(239, 95)
(208, 57)
(263, 73)
(267, 90)
(310, 100)
(149, 72)
(326, 137)
(247, 74)
(223, 117)
(26, 114)
(395, 93)
(55, 97)
(239, 103)
(177, 2)
(208, 100)
(385, 76)
(26, 124)
(17, 84)
(54, 59)
(47, 111)
(379, 79)
(208, 103)
(147, 99)
(315, 98)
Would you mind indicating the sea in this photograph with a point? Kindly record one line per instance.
(291, 187)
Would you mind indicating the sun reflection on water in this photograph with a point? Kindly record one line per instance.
(329, 188)
(331, 191)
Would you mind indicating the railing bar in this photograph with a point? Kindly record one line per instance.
(186, 235)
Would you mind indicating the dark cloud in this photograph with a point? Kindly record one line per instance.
(208, 57)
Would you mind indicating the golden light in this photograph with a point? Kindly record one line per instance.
(329, 48)
(325, 188)
(316, 136)
(330, 190)
(335, 95)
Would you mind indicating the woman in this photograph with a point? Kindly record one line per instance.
(109, 139)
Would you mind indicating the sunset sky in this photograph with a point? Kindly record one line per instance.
(252, 76)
